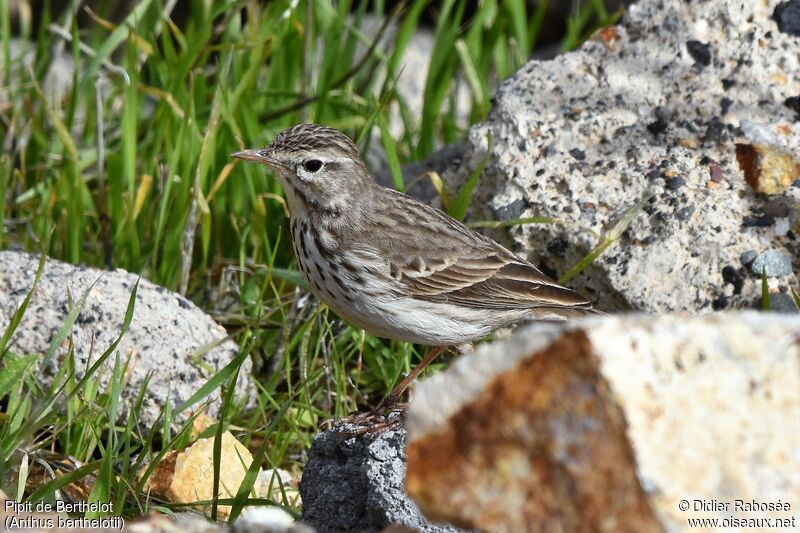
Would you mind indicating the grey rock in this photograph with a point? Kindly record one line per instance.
(511, 211)
(748, 257)
(675, 183)
(601, 98)
(787, 15)
(685, 213)
(782, 302)
(165, 337)
(777, 207)
(357, 484)
(774, 263)
(418, 184)
(758, 132)
(701, 52)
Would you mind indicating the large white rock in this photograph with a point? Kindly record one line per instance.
(170, 340)
(652, 111)
(614, 422)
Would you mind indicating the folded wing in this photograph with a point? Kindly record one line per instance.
(450, 263)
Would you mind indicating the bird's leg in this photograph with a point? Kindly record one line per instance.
(375, 417)
(391, 400)
(400, 388)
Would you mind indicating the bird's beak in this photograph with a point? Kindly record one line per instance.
(259, 156)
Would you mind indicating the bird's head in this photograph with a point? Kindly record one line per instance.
(319, 167)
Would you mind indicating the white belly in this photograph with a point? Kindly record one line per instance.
(415, 321)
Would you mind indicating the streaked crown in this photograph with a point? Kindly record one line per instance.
(306, 138)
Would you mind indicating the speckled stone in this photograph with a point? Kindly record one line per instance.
(748, 257)
(644, 109)
(774, 263)
(164, 341)
(783, 303)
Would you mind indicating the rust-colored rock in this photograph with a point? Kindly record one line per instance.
(161, 478)
(608, 35)
(188, 476)
(632, 423)
(542, 448)
(767, 169)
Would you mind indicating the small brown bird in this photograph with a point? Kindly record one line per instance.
(392, 265)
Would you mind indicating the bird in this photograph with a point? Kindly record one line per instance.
(392, 265)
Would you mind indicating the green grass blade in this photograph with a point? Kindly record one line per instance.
(535, 24)
(102, 488)
(440, 74)
(477, 84)
(47, 407)
(391, 154)
(514, 222)
(6, 175)
(62, 132)
(250, 477)
(5, 25)
(214, 383)
(458, 208)
(16, 318)
(291, 276)
(14, 368)
(117, 37)
(227, 402)
(66, 326)
(613, 236)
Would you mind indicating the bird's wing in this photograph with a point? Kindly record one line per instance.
(436, 258)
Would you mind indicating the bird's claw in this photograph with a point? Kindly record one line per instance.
(383, 417)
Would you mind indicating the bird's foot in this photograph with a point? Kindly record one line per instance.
(389, 413)
(386, 416)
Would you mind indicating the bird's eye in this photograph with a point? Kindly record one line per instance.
(312, 165)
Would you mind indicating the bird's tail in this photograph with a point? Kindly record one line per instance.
(564, 313)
